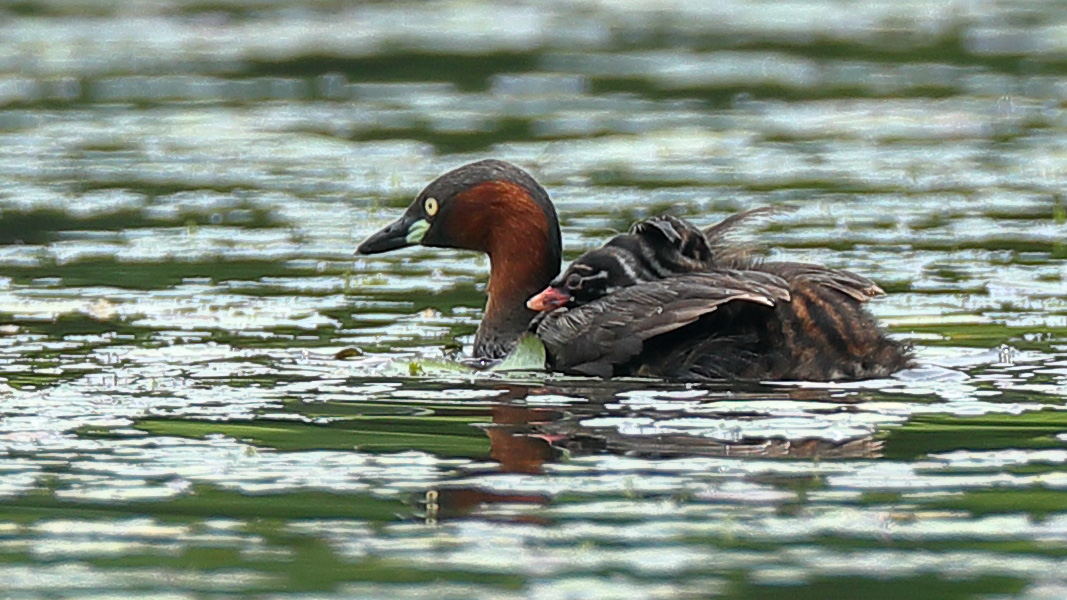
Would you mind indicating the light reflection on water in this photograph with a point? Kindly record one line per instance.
(178, 213)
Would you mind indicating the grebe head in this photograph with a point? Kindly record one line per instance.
(479, 206)
(494, 207)
(591, 276)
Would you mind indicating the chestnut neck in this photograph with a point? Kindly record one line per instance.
(521, 236)
(517, 272)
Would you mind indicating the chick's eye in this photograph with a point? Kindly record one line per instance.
(430, 206)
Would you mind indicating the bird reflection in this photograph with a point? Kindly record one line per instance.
(528, 432)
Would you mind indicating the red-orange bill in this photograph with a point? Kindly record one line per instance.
(549, 299)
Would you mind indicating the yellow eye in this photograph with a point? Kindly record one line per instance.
(430, 206)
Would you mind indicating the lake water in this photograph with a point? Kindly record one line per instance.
(182, 187)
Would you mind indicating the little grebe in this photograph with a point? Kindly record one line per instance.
(655, 248)
(665, 300)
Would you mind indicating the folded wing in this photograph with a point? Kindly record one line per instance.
(595, 338)
(854, 286)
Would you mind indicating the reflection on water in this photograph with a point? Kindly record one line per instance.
(182, 187)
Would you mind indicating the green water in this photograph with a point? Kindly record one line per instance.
(183, 185)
